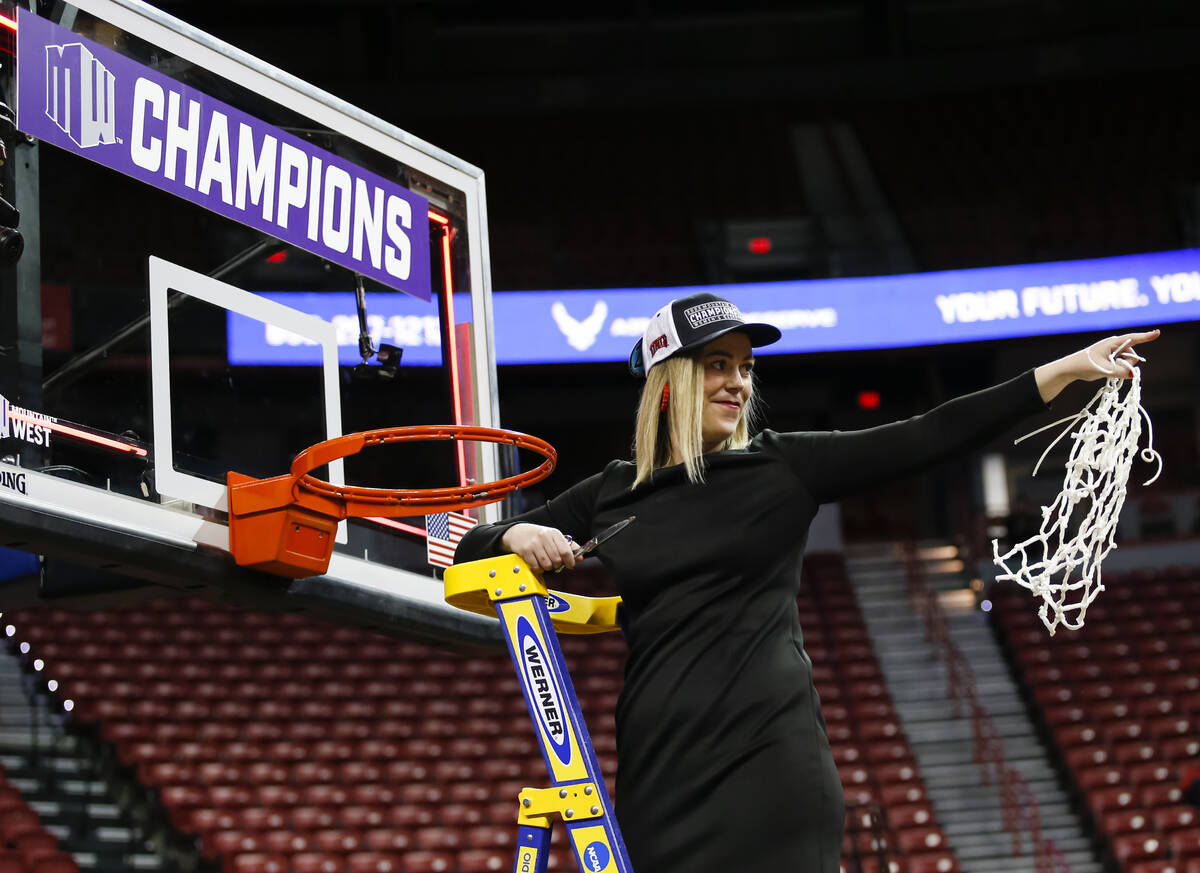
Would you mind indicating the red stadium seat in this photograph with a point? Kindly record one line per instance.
(1175, 818)
(1126, 821)
(915, 840)
(858, 795)
(1135, 753)
(854, 775)
(1179, 749)
(311, 818)
(34, 846)
(412, 815)
(338, 840)
(1124, 730)
(1104, 800)
(324, 795)
(18, 821)
(1129, 848)
(374, 862)
(492, 837)
(1154, 867)
(385, 839)
(274, 795)
(909, 815)
(888, 774)
(933, 862)
(1108, 710)
(1090, 778)
(485, 860)
(258, 863)
(429, 862)
(438, 838)
(902, 792)
(1172, 726)
(1157, 707)
(227, 843)
(286, 841)
(462, 815)
(1075, 734)
(318, 862)
(894, 751)
(1080, 757)
(260, 818)
(1161, 794)
(1181, 684)
(1185, 845)
(879, 729)
(1067, 713)
(1144, 774)
(10, 798)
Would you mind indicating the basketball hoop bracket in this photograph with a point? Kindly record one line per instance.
(286, 524)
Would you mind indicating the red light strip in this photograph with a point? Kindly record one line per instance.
(5, 21)
(455, 386)
(399, 525)
(67, 430)
(448, 296)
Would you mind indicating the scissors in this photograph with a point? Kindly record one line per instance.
(602, 537)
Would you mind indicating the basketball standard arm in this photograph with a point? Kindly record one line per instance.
(1092, 363)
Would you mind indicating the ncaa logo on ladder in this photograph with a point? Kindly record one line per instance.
(80, 95)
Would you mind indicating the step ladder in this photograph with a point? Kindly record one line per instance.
(531, 616)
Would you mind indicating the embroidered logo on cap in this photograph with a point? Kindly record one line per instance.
(659, 343)
(707, 313)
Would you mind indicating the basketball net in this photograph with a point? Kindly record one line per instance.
(1061, 563)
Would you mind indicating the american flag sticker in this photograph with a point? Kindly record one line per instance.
(443, 531)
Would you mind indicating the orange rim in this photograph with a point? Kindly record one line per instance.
(361, 501)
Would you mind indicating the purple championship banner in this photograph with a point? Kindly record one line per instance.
(96, 103)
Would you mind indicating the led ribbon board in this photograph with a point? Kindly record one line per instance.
(96, 103)
(538, 327)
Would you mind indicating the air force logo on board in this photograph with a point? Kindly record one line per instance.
(580, 335)
(545, 693)
(80, 95)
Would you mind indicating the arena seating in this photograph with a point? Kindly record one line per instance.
(1120, 699)
(280, 744)
(25, 844)
(991, 177)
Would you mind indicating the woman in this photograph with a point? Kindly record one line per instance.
(724, 763)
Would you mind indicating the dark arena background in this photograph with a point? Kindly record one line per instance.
(181, 714)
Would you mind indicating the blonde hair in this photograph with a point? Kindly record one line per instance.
(679, 428)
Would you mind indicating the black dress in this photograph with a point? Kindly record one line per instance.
(724, 762)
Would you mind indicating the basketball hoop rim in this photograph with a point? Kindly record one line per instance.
(359, 501)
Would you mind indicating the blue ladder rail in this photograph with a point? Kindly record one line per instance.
(531, 616)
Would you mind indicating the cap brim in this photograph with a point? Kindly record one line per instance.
(758, 333)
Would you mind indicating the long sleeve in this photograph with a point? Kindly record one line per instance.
(835, 464)
(570, 512)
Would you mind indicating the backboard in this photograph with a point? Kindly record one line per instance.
(199, 230)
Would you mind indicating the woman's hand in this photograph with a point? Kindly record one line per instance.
(1110, 357)
(542, 548)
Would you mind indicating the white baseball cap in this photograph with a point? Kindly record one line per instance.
(690, 322)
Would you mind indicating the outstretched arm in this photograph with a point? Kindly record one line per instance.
(1092, 363)
(836, 464)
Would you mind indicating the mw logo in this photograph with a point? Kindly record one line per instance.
(80, 95)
